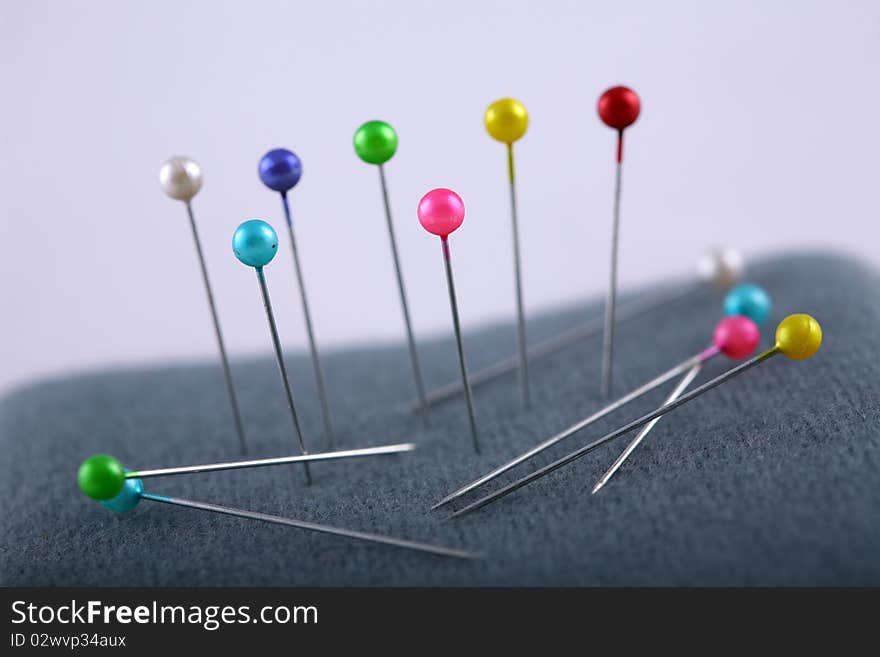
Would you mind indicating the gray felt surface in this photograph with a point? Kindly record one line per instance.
(773, 478)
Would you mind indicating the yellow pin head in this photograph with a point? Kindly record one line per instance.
(506, 120)
(798, 336)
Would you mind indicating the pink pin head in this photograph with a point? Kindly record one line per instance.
(441, 211)
(619, 107)
(737, 336)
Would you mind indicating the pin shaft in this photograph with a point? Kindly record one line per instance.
(307, 317)
(453, 303)
(282, 369)
(313, 527)
(611, 298)
(517, 270)
(683, 385)
(573, 429)
(404, 305)
(224, 359)
(281, 460)
(635, 424)
(628, 310)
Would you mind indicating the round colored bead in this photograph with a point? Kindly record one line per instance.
(506, 120)
(798, 336)
(101, 477)
(127, 498)
(736, 337)
(180, 178)
(375, 142)
(255, 243)
(748, 300)
(441, 211)
(722, 268)
(280, 169)
(619, 107)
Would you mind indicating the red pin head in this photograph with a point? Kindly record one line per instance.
(619, 107)
(737, 336)
(441, 211)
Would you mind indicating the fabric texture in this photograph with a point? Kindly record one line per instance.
(771, 479)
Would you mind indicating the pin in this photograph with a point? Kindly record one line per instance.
(375, 142)
(441, 211)
(797, 337)
(718, 268)
(507, 121)
(181, 179)
(748, 301)
(618, 108)
(255, 243)
(677, 392)
(723, 267)
(280, 170)
(732, 336)
(99, 479)
(103, 463)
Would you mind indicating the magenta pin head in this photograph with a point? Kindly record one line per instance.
(441, 211)
(737, 336)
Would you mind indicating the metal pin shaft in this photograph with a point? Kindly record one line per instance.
(611, 298)
(458, 342)
(270, 316)
(307, 316)
(517, 270)
(227, 372)
(313, 527)
(280, 460)
(635, 424)
(683, 385)
(404, 305)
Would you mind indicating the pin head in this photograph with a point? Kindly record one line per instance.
(280, 169)
(619, 107)
(375, 142)
(736, 337)
(441, 211)
(506, 120)
(127, 498)
(748, 300)
(722, 268)
(180, 178)
(798, 336)
(255, 243)
(101, 477)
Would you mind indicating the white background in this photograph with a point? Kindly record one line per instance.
(759, 130)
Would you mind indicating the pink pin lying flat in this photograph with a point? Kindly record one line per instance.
(735, 337)
(441, 211)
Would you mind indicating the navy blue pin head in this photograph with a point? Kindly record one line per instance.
(280, 170)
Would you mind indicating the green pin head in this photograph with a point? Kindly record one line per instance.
(101, 477)
(375, 142)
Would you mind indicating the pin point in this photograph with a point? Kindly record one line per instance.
(743, 301)
(280, 170)
(733, 337)
(618, 108)
(798, 337)
(441, 211)
(103, 478)
(375, 142)
(627, 311)
(181, 179)
(255, 243)
(507, 121)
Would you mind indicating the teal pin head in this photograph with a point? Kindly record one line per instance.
(255, 243)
